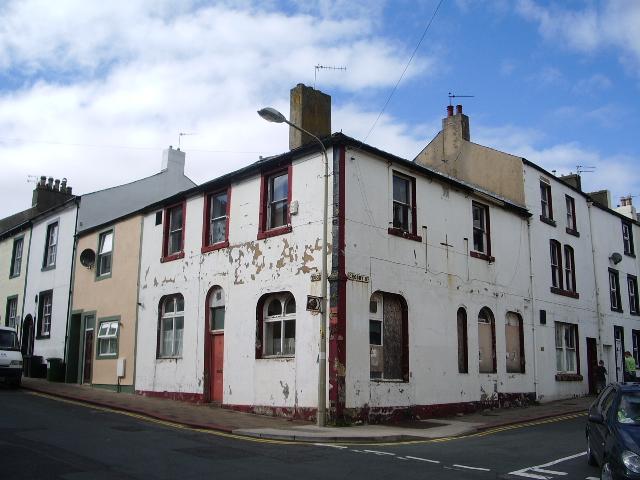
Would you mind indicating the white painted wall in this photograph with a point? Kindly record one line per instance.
(246, 270)
(10, 286)
(57, 279)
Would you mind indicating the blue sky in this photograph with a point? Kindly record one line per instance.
(94, 91)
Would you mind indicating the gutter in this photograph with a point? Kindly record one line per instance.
(72, 278)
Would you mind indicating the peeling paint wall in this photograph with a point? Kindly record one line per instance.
(246, 270)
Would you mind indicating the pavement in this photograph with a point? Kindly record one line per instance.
(209, 417)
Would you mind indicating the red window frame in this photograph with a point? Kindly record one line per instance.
(412, 232)
(165, 232)
(206, 221)
(486, 254)
(263, 230)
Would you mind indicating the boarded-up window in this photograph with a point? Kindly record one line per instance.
(463, 349)
(486, 341)
(513, 333)
(388, 345)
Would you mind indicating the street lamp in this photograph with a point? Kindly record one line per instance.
(273, 115)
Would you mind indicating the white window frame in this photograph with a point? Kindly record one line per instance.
(571, 213)
(177, 230)
(627, 238)
(271, 202)
(12, 312)
(175, 343)
(104, 254)
(569, 269)
(632, 285)
(16, 256)
(282, 318)
(555, 250)
(614, 290)
(47, 308)
(108, 336)
(480, 226)
(51, 245)
(566, 347)
(546, 203)
(213, 221)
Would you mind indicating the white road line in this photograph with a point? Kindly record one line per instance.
(422, 459)
(592, 478)
(527, 472)
(330, 446)
(472, 468)
(377, 452)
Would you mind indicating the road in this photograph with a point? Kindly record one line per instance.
(46, 438)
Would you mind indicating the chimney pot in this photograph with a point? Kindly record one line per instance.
(459, 109)
(68, 190)
(43, 181)
(50, 183)
(63, 185)
(56, 185)
(450, 111)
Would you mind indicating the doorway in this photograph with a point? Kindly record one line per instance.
(592, 363)
(26, 344)
(214, 348)
(88, 356)
(618, 335)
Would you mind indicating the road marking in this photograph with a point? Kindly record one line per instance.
(341, 447)
(422, 459)
(377, 452)
(591, 478)
(471, 468)
(536, 470)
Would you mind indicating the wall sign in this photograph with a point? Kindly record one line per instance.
(357, 277)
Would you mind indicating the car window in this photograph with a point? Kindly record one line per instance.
(603, 395)
(606, 403)
(629, 408)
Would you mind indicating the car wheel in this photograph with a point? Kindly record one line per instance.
(591, 459)
(606, 472)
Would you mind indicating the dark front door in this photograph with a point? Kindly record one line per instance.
(592, 363)
(618, 335)
(26, 345)
(74, 345)
(88, 356)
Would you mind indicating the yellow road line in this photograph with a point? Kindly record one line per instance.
(166, 423)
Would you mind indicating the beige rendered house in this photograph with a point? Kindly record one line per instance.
(102, 324)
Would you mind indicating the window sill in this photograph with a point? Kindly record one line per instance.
(547, 220)
(47, 268)
(214, 247)
(482, 256)
(564, 293)
(274, 232)
(103, 276)
(619, 310)
(573, 232)
(277, 357)
(568, 377)
(107, 357)
(168, 358)
(43, 337)
(398, 232)
(170, 258)
(385, 380)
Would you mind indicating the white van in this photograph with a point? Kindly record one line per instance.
(10, 357)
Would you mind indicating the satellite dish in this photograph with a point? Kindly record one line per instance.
(616, 258)
(88, 257)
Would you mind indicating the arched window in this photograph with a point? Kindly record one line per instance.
(486, 341)
(279, 328)
(463, 347)
(216, 310)
(514, 338)
(388, 337)
(171, 326)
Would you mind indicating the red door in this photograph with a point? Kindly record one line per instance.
(217, 367)
(88, 356)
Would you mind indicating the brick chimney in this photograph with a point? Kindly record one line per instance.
(572, 179)
(602, 197)
(173, 160)
(49, 193)
(626, 207)
(310, 109)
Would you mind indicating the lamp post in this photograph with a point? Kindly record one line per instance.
(272, 115)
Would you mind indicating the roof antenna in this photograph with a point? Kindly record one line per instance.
(453, 95)
(32, 179)
(182, 134)
(324, 67)
(580, 169)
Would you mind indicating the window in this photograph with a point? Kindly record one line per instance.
(546, 202)
(16, 257)
(388, 338)
(486, 341)
(44, 313)
(566, 350)
(569, 270)
(463, 347)
(171, 327)
(514, 336)
(627, 238)
(632, 286)
(481, 231)
(12, 312)
(51, 246)
(556, 264)
(572, 225)
(217, 219)
(635, 340)
(279, 325)
(216, 310)
(275, 198)
(108, 339)
(173, 233)
(614, 290)
(105, 251)
(402, 203)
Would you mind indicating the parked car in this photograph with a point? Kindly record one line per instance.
(10, 357)
(613, 431)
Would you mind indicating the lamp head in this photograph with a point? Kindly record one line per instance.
(272, 115)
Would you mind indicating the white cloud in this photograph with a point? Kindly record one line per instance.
(591, 85)
(108, 85)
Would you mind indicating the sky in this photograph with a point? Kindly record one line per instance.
(95, 91)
